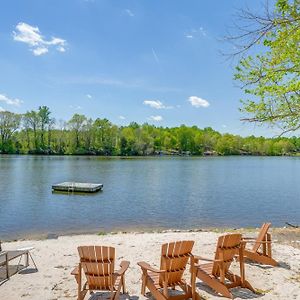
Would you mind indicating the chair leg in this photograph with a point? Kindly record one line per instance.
(193, 278)
(156, 293)
(143, 289)
(33, 261)
(248, 286)
(123, 284)
(188, 291)
(112, 295)
(165, 289)
(239, 282)
(269, 245)
(81, 294)
(27, 259)
(117, 292)
(19, 263)
(7, 267)
(79, 282)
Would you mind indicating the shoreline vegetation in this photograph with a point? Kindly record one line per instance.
(37, 133)
(285, 234)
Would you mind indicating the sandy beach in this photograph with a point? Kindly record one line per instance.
(56, 258)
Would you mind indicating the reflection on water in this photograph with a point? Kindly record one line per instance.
(146, 193)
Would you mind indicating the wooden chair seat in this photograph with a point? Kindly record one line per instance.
(155, 279)
(208, 267)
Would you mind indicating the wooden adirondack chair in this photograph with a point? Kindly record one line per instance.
(216, 274)
(174, 258)
(263, 242)
(98, 265)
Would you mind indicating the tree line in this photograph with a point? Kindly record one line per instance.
(37, 132)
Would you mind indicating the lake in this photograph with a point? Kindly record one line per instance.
(146, 193)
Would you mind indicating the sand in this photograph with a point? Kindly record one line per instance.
(57, 257)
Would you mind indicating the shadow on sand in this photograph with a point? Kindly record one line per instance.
(107, 295)
(236, 292)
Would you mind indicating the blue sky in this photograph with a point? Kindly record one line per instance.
(143, 61)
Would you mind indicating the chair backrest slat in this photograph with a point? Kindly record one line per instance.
(261, 236)
(174, 258)
(227, 247)
(98, 265)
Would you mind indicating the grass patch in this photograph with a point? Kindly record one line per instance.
(102, 233)
(296, 278)
(222, 230)
(262, 292)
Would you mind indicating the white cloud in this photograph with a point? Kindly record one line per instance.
(202, 31)
(129, 12)
(122, 118)
(32, 36)
(2, 109)
(10, 101)
(40, 51)
(155, 56)
(76, 107)
(155, 118)
(224, 126)
(189, 36)
(28, 34)
(89, 96)
(56, 41)
(198, 102)
(193, 33)
(156, 104)
(61, 49)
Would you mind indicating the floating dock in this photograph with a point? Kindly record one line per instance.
(79, 187)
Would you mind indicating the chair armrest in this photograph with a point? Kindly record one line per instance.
(218, 261)
(3, 253)
(147, 267)
(246, 240)
(212, 261)
(264, 242)
(197, 258)
(75, 272)
(124, 266)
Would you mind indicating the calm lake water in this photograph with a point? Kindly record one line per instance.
(146, 193)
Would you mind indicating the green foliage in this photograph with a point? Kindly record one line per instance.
(9, 123)
(271, 79)
(44, 120)
(83, 136)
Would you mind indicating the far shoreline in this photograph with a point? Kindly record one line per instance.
(147, 156)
